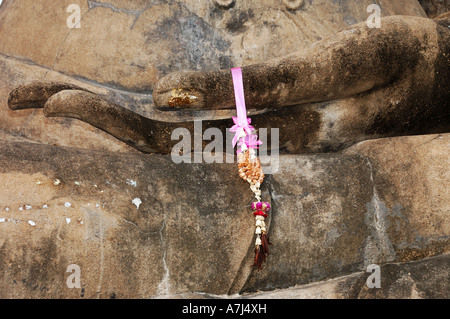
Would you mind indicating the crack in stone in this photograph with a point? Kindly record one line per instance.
(380, 238)
(296, 23)
(97, 4)
(128, 222)
(164, 285)
(429, 141)
(137, 13)
(52, 68)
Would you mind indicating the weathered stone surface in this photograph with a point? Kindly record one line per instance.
(434, 8)
(410, 203)
(427, 278)
(424, 279)
(332, 215)
(192, 231)
(125, 43)
(33, 125)
(317, 228)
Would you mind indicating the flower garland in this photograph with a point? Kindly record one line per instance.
(249, 166)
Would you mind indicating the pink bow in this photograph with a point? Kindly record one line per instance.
(251, 141)
(241, 129)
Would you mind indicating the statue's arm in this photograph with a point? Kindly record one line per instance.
(406, 50)
(355, 60)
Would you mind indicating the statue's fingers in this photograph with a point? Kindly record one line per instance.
(351, 62)
(265, 86)
(194, 90)
(146, 135)
(152, 136)
(36, 94)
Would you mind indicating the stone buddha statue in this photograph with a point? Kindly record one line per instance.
(86, 91)
(358, 84)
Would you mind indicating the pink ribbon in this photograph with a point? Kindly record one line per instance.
(242, 128)
(251, 141)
